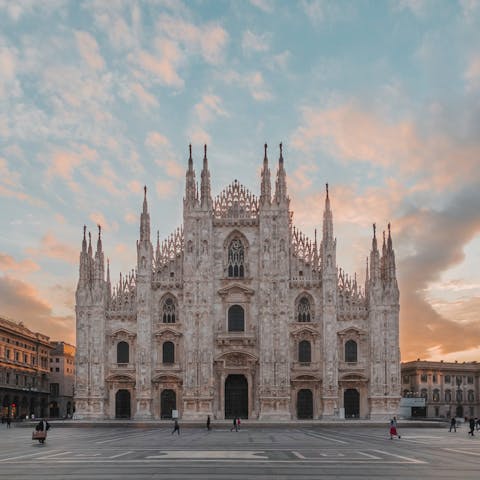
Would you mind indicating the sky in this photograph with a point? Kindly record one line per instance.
(381, 99)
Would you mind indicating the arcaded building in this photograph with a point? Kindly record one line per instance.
(237, 313)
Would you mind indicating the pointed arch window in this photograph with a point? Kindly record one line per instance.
(303, 310)
(304, 352)
(123, 354)
(168, 351)
(351, 351)
(168, 311)
(236, 259)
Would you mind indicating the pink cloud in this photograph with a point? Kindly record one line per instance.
(8, 263)
(21, 301)
(145, 98)
(164, 65)
(472, 74)
(135, 186)
(209, 107)
(88, 48)
(100, 219)
(209, 40)
(51, 247)
(355, 135)
(165, 188)
(156, 140)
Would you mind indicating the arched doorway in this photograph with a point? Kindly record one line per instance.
(168, 402)
(236, 396)
(459, 411)
(122, 404)
(304, 404)
(351, 402)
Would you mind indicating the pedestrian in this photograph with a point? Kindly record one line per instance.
(238, 423)
(453, 424)
(234, 424)
(176, 427)
(208, 422)
(393, 430)
(9, 421)
(472, 426)
(477, 423)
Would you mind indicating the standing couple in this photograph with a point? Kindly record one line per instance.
(236, 424)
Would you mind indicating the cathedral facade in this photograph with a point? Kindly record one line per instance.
(237, 313)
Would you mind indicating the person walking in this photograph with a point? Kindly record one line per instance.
(208, 422)
(393, 429)
(9, 421)
(176, 427)
(472, 426)
(453, 424)
(238, 423)
(234, 424)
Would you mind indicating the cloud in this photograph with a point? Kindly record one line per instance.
(21, 301)
(355, 135)
(131, 217)
(253, 81)
(162, 64)
(208, 40)
(100, 219)
(433, 241)
(135, 186)
(51, 247)
(165, 188)
(472, 74)
(156, 140)
(255, 43)
(11, 185)
(417, 7)
(9, 264)
(145, 98)
(265, 5)
(9, 84)
(209, 107)
(88, 48)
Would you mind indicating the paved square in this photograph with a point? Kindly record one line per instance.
(73, 452)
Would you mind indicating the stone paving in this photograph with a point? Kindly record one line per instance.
(293, 452)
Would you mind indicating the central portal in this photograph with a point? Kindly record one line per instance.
(236, 396)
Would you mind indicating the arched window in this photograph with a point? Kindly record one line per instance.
(351, 351)
(436, 395)
(123, 352)
(168, 352)
(448, 396)
(303, 310)
(168, 310)
(304, 352)
(236, 259)
(471, 396)
(236, 319)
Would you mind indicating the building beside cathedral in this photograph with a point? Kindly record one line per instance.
(237, 313)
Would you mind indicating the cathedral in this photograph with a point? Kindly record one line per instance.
(237, 314)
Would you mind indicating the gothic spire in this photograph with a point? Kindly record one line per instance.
(84, 241)
(374, 258)
(90, 251)
(281, 184)
(206, 198)
(266, 187)
(190, 183)
(327, 219)
(145, 219)
(99, 241)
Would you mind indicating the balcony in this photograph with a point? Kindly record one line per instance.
(244, 339)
